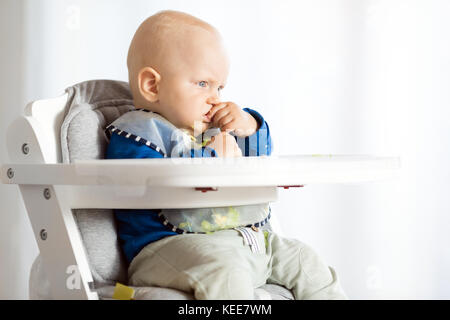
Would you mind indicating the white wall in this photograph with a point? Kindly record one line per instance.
(405, 99)
(333, 77)
(17, 245)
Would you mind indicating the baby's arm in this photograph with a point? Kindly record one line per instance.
(248, 126)
(120, 147)
(259, 143)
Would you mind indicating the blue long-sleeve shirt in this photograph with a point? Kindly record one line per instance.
(143, 134)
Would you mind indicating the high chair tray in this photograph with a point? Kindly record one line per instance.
(192, 183)
(287, 170)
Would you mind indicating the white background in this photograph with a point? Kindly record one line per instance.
(330, 77)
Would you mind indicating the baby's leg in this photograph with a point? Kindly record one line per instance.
(214, 266)
(296, 266)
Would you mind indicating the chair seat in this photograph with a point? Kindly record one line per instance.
(39, 289)
(265, 292)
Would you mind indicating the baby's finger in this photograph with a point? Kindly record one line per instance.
(229, 126)
(225, 123)
(219, 115)
(215, 108)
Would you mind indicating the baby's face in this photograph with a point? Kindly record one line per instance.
(193, 85)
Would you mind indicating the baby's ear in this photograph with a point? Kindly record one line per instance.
(148, 83)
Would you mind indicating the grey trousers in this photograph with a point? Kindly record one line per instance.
(221, 266)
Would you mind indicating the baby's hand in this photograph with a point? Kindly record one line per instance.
(228, 116)
(225, 145)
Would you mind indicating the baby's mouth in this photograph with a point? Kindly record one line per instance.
(206, 118)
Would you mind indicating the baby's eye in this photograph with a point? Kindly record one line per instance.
(203, 84)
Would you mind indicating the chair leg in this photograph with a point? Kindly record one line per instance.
(59, 242)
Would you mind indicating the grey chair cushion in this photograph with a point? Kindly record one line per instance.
(91, 106)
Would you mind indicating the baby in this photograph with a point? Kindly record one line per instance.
(177, 67)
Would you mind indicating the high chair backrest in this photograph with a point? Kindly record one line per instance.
(38, 141)
(48, 115)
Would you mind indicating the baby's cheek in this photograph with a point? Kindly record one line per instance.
(188, 116)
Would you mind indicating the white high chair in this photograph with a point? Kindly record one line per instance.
(79, 256)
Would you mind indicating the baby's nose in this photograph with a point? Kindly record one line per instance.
(213, 100)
